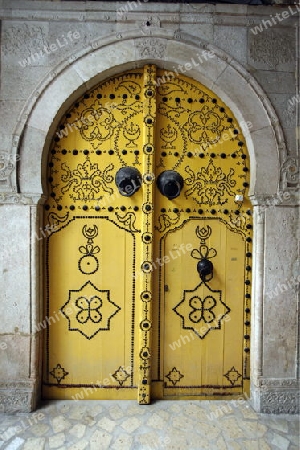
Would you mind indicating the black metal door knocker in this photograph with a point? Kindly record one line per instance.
(170, 184)
(128, 181)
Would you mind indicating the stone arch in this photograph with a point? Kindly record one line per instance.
(221, 73)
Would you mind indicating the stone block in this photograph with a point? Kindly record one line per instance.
(30, 178)
(276, 82)
(15, 269)
(103, 58)
(48, 105)
(227, 82)
(202, 63)
(280, 298)
(265, 171)
(15, 359)
(233, 40)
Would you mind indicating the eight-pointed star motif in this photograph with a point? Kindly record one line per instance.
(201, 309)
(91, 308)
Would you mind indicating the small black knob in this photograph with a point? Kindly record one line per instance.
(170, 184)
(128, 181)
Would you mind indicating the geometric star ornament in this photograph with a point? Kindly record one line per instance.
(89, 310)
(121, 375)
(201, 309)
(59, 373)
(232, 375)
(174, 376)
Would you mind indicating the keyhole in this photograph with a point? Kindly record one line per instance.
(148, 23)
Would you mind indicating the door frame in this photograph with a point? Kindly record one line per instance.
(223, 75)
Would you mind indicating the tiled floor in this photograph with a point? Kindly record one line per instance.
(177, 425)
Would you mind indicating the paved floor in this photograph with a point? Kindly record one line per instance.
(176, 425)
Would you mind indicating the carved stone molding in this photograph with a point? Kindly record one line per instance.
(19, 199)
(272, 47)
(279, 401)
(285, 197)
(14, 400)
(7, 167)
(22, 40)
(151, 47)
(18, 396)
(279, 383)
(290, 172)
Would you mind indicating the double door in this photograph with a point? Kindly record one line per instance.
(148, 244)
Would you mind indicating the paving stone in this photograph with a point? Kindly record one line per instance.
(231, 429)
(10, 432)
(163, 414)
(34, 443)
(60, 423)
(156, 422)
(64, 408)
(89, 421)
(100, 440)
(263, 445)
(40, 429)
(81, 445)
(250, 444)
(131, 424)
(95, 410)
(78, 430)
(123, 442)
(172, 425)
(178, 441)
(295, 439)
(207, 429)
(248, 412)
(235, 446)
(57, 440)
(150, 441)
(254, 428)
(116, 412)
(221, 444)
(135, 410)
(15, 444)
(280, 441)
(183, 422)
(77, 412)
(279, 425)
(175, 408)
(106, 424)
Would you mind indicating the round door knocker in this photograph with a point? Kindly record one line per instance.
(170, 184)
(128, 181)
(205, 269)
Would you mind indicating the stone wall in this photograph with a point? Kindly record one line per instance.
(51, 52)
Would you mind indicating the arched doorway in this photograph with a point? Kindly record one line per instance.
(148, 288)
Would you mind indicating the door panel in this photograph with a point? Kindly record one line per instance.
(94, 247)
(128, 314)
(198, 314)
(198, 137)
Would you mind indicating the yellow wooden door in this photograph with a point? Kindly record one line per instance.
(127, 313)
(201, 343)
